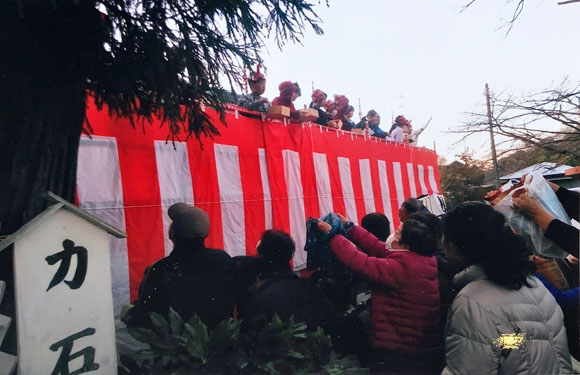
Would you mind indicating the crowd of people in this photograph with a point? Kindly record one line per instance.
(457, 294)
(336, 113)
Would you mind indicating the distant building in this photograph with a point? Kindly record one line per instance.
(551, 171)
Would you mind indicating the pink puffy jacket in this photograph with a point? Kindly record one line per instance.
(405, 295)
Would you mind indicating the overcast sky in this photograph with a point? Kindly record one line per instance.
(424, 58)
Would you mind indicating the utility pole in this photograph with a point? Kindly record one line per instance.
(493, 154)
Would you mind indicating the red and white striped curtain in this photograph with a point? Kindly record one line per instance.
(254, 176)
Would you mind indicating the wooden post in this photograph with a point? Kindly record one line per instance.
(492, 140)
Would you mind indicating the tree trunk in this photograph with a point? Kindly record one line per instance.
(42, 110)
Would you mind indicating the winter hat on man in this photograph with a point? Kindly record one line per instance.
(287, 88)
(188, 221)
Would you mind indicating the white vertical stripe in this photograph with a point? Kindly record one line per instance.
(266, 188)
(231, 199)
(100, 192)
(432, 180)
(398, 182)
(411, 175)
(367, 185)
(347, 190)
(421, 171)
(385, 194)
(322, 183)
(174, 180)
(295, 205)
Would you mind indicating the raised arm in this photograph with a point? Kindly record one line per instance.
(380, 270)
(367, 242)
(565, 236)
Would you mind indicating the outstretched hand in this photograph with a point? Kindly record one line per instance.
(530, 207)
(526, 205)
(324, 227)
(343, 219)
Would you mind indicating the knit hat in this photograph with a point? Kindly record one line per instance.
(329, 106)
(318, 95)
(287, 88)
(188, 221)
(342, 105)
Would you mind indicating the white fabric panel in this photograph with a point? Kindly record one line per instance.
(231, 198)
(100, 193)
(347, 190)
(398, 183)
(175, 183)
(367, 185)
(421, 171)
(322, 183)
(295, 205)
(385, 193)
(266, 188)
(432, 180)
(411, 175)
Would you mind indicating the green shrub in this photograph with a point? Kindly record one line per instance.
(273, 347)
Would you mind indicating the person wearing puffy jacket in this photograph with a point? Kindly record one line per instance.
(503, 320)
(404, 294)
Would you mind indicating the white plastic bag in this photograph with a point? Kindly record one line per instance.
(539, 189)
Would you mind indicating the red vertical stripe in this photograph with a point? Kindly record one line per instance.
(357, 187)
(206, 193)
(308, 176)
(335, 185)
(274, 136)
(376, 186)
(143, 219)
(393, 191)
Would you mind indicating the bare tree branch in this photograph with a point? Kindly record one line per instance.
(548, 120)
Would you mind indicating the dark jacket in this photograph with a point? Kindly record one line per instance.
(288, 295)
(362, 123)
(348, 125)
(564, 235)
(191, 281)
(375, 130)
(322, 116)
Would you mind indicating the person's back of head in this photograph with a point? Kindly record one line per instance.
(372, 113)
(377, 224)
(476, 234)
(298, 90)
(189, 227)
(277, 248)
(422, 233)
(409, 207)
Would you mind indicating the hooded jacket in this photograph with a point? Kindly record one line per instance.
(495, 330)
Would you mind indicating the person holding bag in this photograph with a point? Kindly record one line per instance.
(503, 320)
(565, 236)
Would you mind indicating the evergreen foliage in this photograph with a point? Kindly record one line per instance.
(140, 58)
(275, 347)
